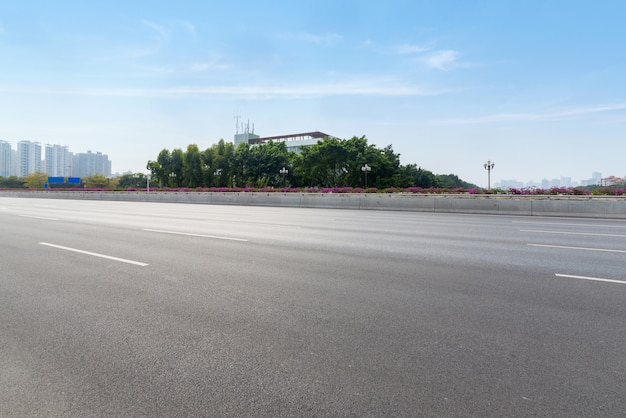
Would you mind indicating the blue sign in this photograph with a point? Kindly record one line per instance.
(73, 180)
(56, 180)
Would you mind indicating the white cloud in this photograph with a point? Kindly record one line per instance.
(566, 114)
(327, 38)
(163, 34)
(441, 60)
(200, 67)
(359, 88)
(407, 49)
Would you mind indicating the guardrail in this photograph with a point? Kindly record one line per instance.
(613, 207)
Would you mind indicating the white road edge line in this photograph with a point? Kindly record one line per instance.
(38, 217)
(108, 257)
(577, 248)
(595, 279)
(567, 224)
(195, 235)
(572, 233)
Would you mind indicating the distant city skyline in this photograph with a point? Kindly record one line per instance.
(595, 179)
(59, 161)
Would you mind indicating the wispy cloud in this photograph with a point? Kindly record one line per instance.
(566, 114)
(189, 26)
(327, 38)
(363, 88)
(407, 49)
(162, 33)
(201, 67)
(441, 60)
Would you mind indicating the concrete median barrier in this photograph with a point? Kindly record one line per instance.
(613, 207)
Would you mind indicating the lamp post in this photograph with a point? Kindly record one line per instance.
(148, 183)
(217, 173)
(489, 166)
(284, 172)
(366, 169)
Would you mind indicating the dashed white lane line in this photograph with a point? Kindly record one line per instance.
(595, 279)
(108, 257)
(572, 233)
(38, 217)
(608, 250)
(195, 235)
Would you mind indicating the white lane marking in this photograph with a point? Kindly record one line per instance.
(564, 224)
(595, 279)
(38, 217)
(108, 257)
(577, 248)
(195, 235)
(572, 233)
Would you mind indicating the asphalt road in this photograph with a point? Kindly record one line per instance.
(148, 309)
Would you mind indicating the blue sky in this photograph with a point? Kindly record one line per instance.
(535, 86)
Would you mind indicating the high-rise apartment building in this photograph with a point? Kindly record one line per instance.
(29, 158)
(6, 159)
(89, 163)
(58, 161)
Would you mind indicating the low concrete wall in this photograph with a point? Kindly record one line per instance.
(613, 207)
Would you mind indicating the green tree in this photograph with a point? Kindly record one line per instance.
(177, 167)
(192, 167)
(135, 181)
(222, 156)
(264, 163)
(36, 180)
(241, 165)
(96, 181)
(412, 176)
(11, 182)
(324, 164)
(451, 181)
(329, 163)
(161, 168)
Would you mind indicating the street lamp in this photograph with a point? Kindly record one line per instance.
(489, 166)
(217, 173)
(284, 172)
(366, 169)
(173, 177)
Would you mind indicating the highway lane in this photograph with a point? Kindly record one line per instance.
(242, 311)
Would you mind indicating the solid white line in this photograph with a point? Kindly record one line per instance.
(108, 257)
(566, 224)
(194, 235)
(573, 233)
(595, 279)
(577, 248)
(38, 217)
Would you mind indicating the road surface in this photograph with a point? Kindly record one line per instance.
(157, 309)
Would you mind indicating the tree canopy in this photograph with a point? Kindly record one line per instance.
(331, 162)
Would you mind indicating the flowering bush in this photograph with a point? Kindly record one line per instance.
(554, 191)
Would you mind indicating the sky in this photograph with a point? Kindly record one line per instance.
(537, 87)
